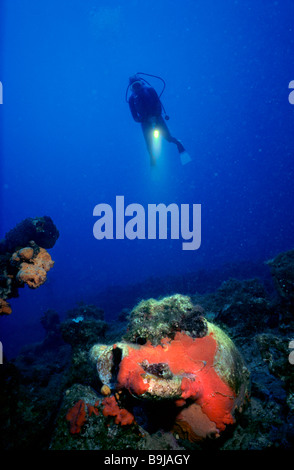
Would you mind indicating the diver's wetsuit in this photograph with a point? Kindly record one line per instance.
(146, 108)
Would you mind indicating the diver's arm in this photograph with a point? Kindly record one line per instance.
(135, 115)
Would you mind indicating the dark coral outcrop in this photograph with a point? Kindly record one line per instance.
(24, 258)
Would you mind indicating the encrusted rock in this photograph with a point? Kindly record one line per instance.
(207, 372)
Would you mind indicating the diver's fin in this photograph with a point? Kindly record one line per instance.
(185, 157)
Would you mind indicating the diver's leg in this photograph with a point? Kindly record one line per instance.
(167, 135)
(147, 132)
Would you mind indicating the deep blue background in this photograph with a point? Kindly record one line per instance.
(69, 141)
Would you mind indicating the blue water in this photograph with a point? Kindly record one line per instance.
(69, 141)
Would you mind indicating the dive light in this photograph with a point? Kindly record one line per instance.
(156, 133)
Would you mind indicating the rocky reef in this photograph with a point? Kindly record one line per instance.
(40, 229)
(182, 372)
(81, 328)
(282, 270)
(24, 259)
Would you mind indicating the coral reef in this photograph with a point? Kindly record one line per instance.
(40, 229)
(81, 328)
(77, 415)
(181, 386)
(282, 270)
(31, 387)
(235, 299)
(94, 430)
(24, 259)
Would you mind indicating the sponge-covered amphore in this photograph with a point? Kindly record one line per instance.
(200, 371)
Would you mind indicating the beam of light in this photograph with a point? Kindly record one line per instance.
(156, 143)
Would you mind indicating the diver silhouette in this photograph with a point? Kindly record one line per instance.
(146, 108)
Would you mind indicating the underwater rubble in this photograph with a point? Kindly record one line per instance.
(180, 372)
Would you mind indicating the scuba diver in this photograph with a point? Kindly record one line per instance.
(146, 108)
